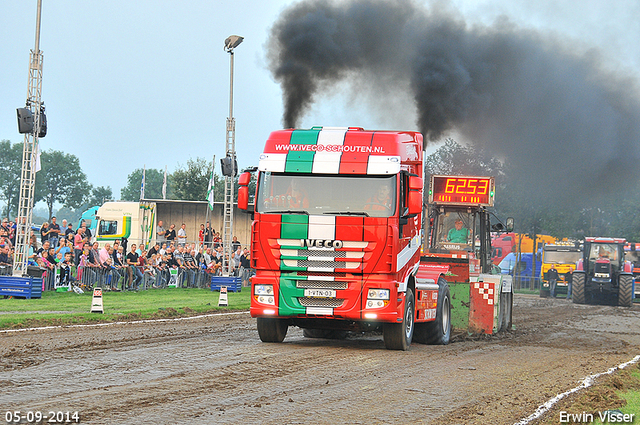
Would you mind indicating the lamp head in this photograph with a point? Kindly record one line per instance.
(232, 42)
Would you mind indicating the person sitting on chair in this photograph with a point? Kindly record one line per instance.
(458, 233)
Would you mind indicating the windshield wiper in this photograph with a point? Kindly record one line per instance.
(288, 212)
(362, 213)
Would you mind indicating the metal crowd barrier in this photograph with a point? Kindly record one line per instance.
(521, 282)
(5, 270)
(123, 278)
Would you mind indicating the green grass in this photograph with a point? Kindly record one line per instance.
(632, 398)
(527, 291)
(55, 308)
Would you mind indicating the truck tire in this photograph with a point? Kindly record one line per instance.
(437, 332)
(398, 336)
(544, 293)
(625, 295)
(577, 289)
(324, 333)
(271, 329)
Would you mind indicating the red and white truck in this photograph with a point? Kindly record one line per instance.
(337, 241)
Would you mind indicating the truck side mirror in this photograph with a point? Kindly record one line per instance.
(414, 201)
(243, 190)
(509, 224)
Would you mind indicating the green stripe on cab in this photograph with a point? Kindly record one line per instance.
(301, 161)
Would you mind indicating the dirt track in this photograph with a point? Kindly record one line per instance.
(216, 370)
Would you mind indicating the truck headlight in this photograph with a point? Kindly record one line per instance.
(378, 294)
(264, 294)
(377, 298)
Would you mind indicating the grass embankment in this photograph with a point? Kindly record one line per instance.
(618, 393)
(67, 308)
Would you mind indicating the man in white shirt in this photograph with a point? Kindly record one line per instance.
(182, 235)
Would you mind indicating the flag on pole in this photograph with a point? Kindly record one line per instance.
(142, 184)
(164, 184)
(37, 166)
(210, 188)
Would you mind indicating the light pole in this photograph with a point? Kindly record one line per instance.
(229, 167)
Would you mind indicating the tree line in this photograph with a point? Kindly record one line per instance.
(62, 181)
(187, 183)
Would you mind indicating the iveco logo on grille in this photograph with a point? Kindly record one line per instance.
(322, 243)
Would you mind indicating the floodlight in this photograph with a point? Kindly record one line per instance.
(232, 42)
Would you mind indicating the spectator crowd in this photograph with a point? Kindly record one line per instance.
(70, 254)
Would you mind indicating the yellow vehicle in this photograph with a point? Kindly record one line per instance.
(504, 243)
(562, 255)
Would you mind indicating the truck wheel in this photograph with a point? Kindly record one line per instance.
(577, 288)
(625, 296)
(324, 333)
(437, 332)
(398, 336)
(544, 293)
(271, 329)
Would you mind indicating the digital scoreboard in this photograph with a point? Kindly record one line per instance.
(462, 190)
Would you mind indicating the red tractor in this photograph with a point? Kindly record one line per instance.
(603, 273)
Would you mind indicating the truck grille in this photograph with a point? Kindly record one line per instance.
(321, 253)
(349, 256)
(320, 302)
(326, 274)
(324, 264)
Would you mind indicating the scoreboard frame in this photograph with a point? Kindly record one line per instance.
(462, 190)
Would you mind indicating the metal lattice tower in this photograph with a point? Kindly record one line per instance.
(230, 146)
(227, 226)
(29, 153)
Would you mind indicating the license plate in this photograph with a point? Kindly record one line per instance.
(320, 293)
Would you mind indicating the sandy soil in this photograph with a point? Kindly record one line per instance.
(216, 370)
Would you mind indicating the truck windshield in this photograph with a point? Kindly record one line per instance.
(455, 230)
(316, 194)
(603, 250)
(562, 257)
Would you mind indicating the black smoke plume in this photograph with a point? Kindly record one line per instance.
(531, 99)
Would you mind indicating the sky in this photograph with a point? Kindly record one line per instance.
(146, 83)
